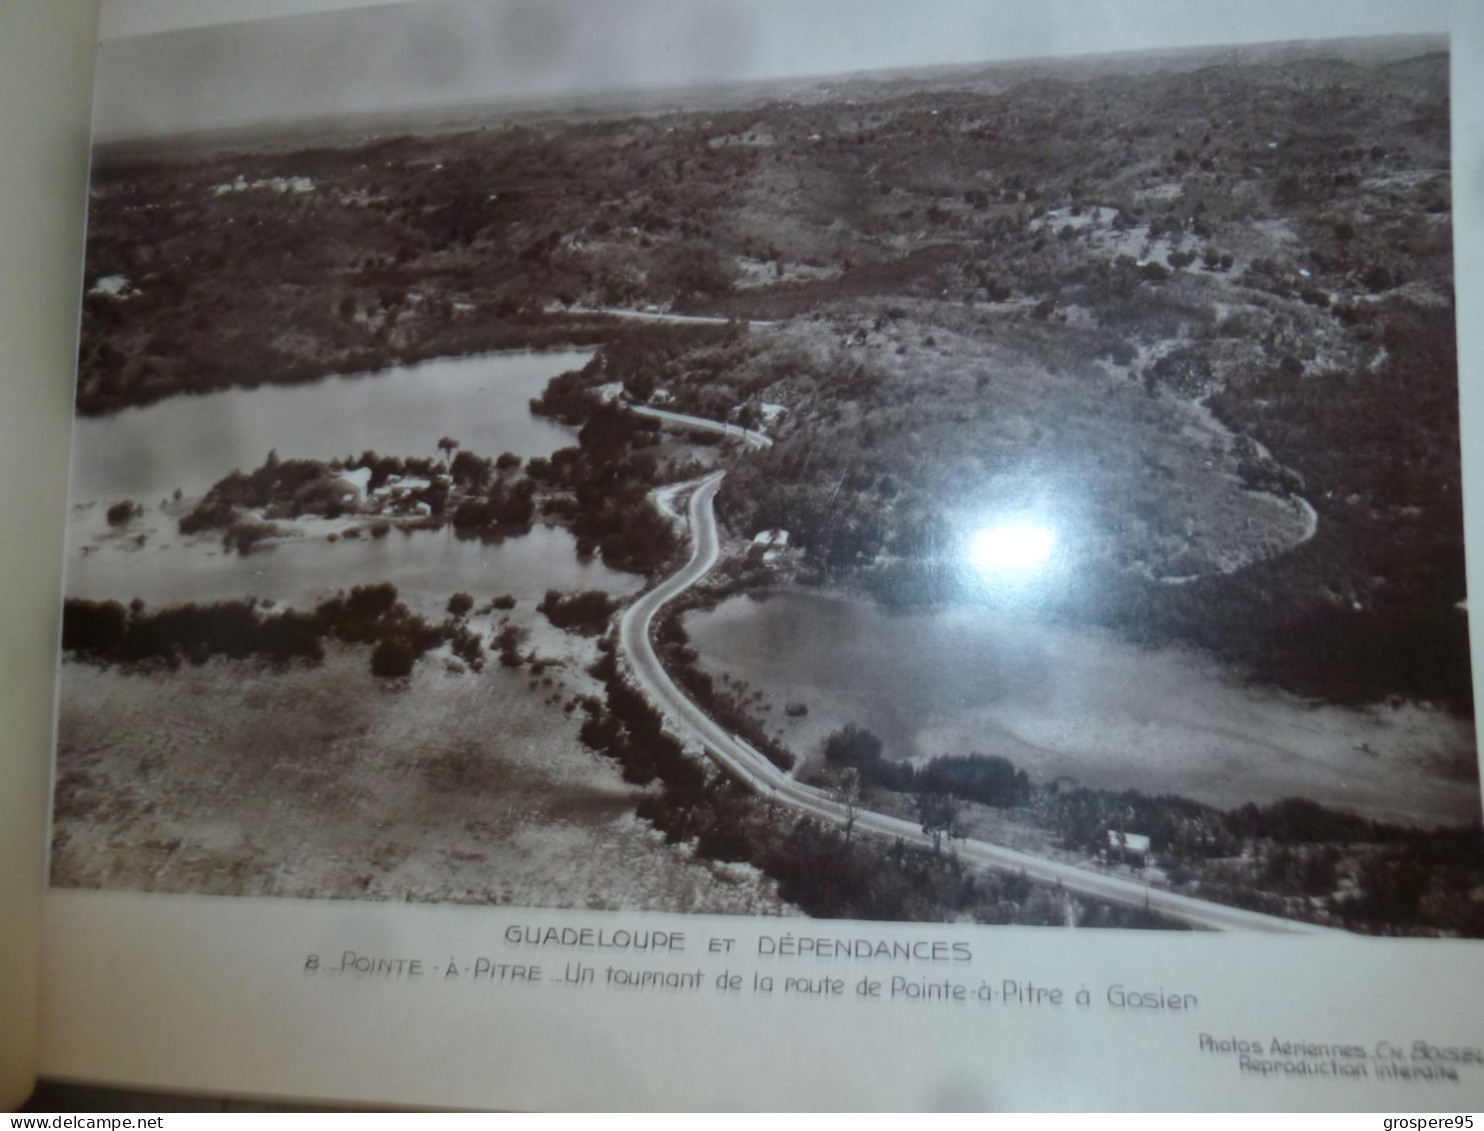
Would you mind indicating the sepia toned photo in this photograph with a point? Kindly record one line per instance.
(941, 478)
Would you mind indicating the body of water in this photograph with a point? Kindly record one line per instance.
(426, 566)
(1079, 704)
(190, 442)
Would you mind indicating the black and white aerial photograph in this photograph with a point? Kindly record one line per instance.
(966, 463)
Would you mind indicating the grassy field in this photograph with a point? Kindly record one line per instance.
(325, 782)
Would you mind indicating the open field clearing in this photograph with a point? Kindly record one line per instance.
(327, 782)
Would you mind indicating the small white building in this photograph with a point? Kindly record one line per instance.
(397, 486)
(1128, 846)
(358, 480)
(769, 544)
(771, 539)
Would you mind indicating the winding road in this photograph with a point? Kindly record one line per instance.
(746, 764)
(747, 435)
(665, 316)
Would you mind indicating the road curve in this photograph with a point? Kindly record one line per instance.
(748, 436)
(663, 316)
(744, 763)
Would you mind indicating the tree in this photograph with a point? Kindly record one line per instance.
(585, 613)
(447, 445)
(749, 415)
(990, 780)
(392, 659)
(460, 604)
(852, 745)
(845, 791)
(1378, 278)
(94, 628)
(694, 270)
(639, 384)
(469, 470)
(508, 641)
(939, 814)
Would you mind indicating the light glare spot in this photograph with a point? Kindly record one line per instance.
(1010, 549)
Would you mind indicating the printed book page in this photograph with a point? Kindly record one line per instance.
(46, 67)
(742, 556)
